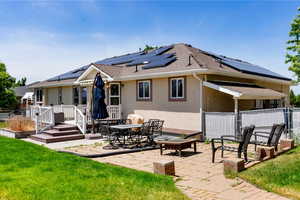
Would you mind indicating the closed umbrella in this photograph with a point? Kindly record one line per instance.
(99, 106)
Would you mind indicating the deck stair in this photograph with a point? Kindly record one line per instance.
(59, 133)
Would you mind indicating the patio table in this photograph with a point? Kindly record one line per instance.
(125, 127)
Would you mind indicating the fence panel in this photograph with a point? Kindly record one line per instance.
(219, 123)
(295, 124)
(263, 119)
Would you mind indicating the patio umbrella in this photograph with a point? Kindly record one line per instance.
(99, 110)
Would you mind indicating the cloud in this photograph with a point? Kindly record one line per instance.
(39, 55)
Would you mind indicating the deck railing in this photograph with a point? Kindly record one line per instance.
(80, 120)
(43, 117)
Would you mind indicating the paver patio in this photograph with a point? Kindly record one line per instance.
(196, 176)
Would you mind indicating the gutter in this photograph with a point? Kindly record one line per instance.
(162, 74)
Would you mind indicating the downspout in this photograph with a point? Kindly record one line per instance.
(202, 124)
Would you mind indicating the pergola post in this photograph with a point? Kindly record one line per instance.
(236, 116)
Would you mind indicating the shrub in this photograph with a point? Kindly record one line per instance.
(20, 123)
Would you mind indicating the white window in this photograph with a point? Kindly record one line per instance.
(39, 95)
(259, 104)
(83, 93)
(75, 95)
(114, 94)
(144, 90)
(60, 96)
(177, 88)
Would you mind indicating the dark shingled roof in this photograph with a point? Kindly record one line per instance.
(169, 58)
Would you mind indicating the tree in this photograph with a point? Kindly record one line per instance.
(149, 48)
(21, 82)
(293, 55)
(8, 98)
(293, 98)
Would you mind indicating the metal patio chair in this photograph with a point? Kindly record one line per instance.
(242, 143)
(269, 138)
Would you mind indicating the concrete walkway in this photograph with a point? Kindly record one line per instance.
(197, 177)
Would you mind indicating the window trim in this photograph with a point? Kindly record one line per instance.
(81, 97)
(150, 90)
(39, 93)
(73, 95)
(170, 89)
(112, 96)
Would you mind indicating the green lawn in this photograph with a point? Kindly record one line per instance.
(280, 175)
(29, 171)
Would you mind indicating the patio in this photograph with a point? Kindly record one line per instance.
(196, 176)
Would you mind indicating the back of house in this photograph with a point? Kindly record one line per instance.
(175, 83)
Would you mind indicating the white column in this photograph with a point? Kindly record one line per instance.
(236, 112)
(201, 105)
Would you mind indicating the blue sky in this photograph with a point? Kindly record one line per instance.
(39, 39)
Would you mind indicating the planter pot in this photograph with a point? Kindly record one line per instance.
(16, 134)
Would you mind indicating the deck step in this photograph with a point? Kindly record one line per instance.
(55, 132)
(65, 127)
(45, 138)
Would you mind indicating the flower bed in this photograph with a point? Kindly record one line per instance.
(18, 127)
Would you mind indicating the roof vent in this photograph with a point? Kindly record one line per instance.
(189, 61)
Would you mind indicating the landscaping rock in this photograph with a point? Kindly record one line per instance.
(164, 167)
(265, 152)
(287, 144)
(234, 165)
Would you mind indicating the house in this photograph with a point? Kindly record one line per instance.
(25, 95)
(176, 83)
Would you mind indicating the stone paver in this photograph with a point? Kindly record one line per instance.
(197, 177)
(66, 144)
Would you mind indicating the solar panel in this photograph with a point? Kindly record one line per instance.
(120, 59)
(149, 59)
(161, 50)
(159, 63)
(69, 75)
(154, 58)
(246, 67)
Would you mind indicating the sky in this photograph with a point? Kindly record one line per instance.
(41, 39)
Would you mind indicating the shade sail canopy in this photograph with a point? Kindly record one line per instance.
(244, 91)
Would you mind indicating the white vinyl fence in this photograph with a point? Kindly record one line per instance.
(219, 123)
(226, 123)
(262, 119)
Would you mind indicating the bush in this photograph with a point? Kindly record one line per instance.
(20, 123)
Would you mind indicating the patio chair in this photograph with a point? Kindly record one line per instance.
(269, 138)
(242, 147)
(144, 131)
(112, 136)
(156, 126)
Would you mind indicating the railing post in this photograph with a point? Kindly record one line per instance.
(36, 122)
(75, 114)
(84, 123)
(52, 116)
(120, 111)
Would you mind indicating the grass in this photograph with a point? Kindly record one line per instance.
(32, 172)
(280, 175)
(3, 124)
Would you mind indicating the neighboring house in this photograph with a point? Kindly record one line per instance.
(25, 95)
(175, 83)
